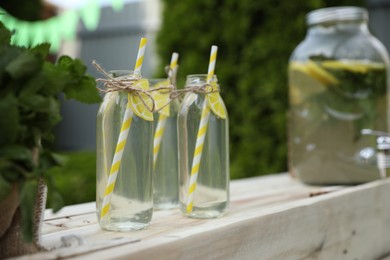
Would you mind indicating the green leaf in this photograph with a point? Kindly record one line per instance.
(36, 103)
(5, 36)
(9, 172)
(85, 91)
(5, 188)
(6, 56)
(59, 159)
(56, 202)
(27, 202)
(9, 119)
(49, 81)
(41, 50)
(50, 160)
(16, 152)
(26, 64)
(73, 66)
(81, 87)
(55, 79)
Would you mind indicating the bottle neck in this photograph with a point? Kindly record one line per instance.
(345, 19)
(199, 80)
(338, 27)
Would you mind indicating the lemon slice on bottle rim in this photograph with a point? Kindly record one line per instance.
(136, 104)
(161, 98)
(215, 101)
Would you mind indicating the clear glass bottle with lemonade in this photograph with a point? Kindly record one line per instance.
(125, 203)
(165, 152)
(211, 190)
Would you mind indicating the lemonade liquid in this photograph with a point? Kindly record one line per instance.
(331, 101)
(166, 172)
(211, 195)
(131, 204)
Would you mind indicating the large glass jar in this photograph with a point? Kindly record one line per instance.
(203, 137)
(338, 80)
(124, 163)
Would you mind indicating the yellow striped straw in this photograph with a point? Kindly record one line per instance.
(140, 56)
(116, 162)
(201, 135)
(162, 119)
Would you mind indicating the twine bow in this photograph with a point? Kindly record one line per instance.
(198, 89)
(127, 83)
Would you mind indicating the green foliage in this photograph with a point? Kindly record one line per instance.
(76, 178)
(29, 111)
(255, 40)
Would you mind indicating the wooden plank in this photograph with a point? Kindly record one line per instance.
(71, 210)
(273, 217)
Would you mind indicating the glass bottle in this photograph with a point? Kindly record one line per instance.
(165, 152)
(211, 193)
(338, 82)
(131, 202)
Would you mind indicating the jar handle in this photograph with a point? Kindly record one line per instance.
(383, 150)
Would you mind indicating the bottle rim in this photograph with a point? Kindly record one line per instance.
(342, 13)
(122, 73)
(199, 76)
(196, 79)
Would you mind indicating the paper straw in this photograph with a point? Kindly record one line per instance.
(116, 162)
(140, 56)
(162, 119)
(201, 135)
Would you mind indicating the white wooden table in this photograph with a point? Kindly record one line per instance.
(272, 217)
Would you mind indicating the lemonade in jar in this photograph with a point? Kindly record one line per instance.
(338, 83)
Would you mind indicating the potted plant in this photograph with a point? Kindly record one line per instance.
(29, 110)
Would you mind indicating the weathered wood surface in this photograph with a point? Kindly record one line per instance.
(273, 217)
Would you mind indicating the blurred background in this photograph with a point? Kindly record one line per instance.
(255, 40)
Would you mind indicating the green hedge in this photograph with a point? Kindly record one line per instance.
(255, 40)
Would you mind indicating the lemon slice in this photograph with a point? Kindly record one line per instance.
(215, 101)
(315, 71)
(136, 104)
(298, 66)
(319, 73)
(161, 98)
(353, 66)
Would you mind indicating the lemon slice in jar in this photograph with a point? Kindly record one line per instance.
(161, 98)
(215, 101)
(319, 73)
(136, 104)
(353, 66)
(315, 71)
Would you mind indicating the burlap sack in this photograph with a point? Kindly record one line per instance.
(11, 240)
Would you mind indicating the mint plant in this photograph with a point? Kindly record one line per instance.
(30, 87)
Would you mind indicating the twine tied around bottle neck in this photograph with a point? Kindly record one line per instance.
(198, 89)
(113, 84)
(178, 93)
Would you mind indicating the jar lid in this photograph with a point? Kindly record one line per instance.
(344, 13)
